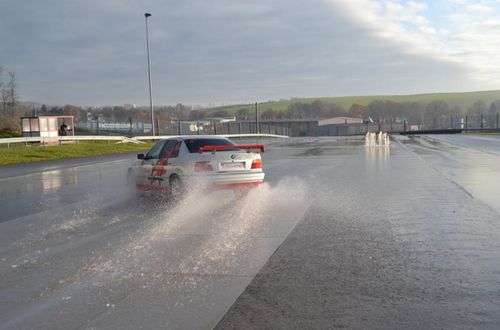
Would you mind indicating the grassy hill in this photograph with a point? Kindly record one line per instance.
(463, 100)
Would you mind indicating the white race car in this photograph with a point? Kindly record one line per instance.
(173, 164)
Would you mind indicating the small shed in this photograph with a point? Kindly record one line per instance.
(48, 126)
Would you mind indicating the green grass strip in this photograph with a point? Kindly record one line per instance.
(37, 153)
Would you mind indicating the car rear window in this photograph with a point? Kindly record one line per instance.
(194, 145)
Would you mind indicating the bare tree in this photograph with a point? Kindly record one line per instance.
(180, 109)
(9, 102)
(3, 93)
(12, 94)
(492, 115)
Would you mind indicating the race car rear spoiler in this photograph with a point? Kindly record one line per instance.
(240, 146)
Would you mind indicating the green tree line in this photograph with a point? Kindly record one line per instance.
(378, 110)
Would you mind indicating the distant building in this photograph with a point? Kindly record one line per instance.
(47, 126)
(196, 125)
(340, 126)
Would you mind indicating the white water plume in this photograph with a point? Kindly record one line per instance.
(210, 232)
(379, 139)
(206, 233)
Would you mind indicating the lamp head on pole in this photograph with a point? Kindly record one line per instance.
(147, 15)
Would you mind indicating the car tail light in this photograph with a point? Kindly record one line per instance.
(257, 163)
(203, 167)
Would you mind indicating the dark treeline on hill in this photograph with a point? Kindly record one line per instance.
(437, 111)
(115, 113)
(431, 113)
(298, 110)
(379, 110)
(434, 112)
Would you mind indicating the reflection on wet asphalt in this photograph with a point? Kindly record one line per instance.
(390, 241)
(341, 235)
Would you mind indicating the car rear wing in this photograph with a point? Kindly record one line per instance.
(229, 147)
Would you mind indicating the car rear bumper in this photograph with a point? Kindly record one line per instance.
(222, 186)
(233, 181)
(214, 181)
(152, 187)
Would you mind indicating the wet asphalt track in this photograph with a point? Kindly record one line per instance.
(340, 236)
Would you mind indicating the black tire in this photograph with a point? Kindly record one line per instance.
(177, 188)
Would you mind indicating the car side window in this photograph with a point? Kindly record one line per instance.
(154, 153)
(171, 149)
(175, 150)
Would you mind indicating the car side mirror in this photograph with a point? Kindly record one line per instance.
(140, 156)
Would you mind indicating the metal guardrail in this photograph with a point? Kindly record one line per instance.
(62, 139)
(161, 137)
(116, 139)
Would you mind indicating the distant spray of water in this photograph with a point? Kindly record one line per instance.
(379, 139)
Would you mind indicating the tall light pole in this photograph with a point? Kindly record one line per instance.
(256, 119)
(146, 15)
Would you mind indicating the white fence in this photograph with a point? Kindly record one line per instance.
(116, 139)
(161, 137)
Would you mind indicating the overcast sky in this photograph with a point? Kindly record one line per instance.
(93, 52)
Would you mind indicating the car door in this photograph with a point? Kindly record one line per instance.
(145, 168)
(160, 173)
(170, 155)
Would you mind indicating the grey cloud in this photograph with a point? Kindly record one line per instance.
(93, 52)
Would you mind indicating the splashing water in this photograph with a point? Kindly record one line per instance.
(379, 139)
(209, 232)
(179, 247)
